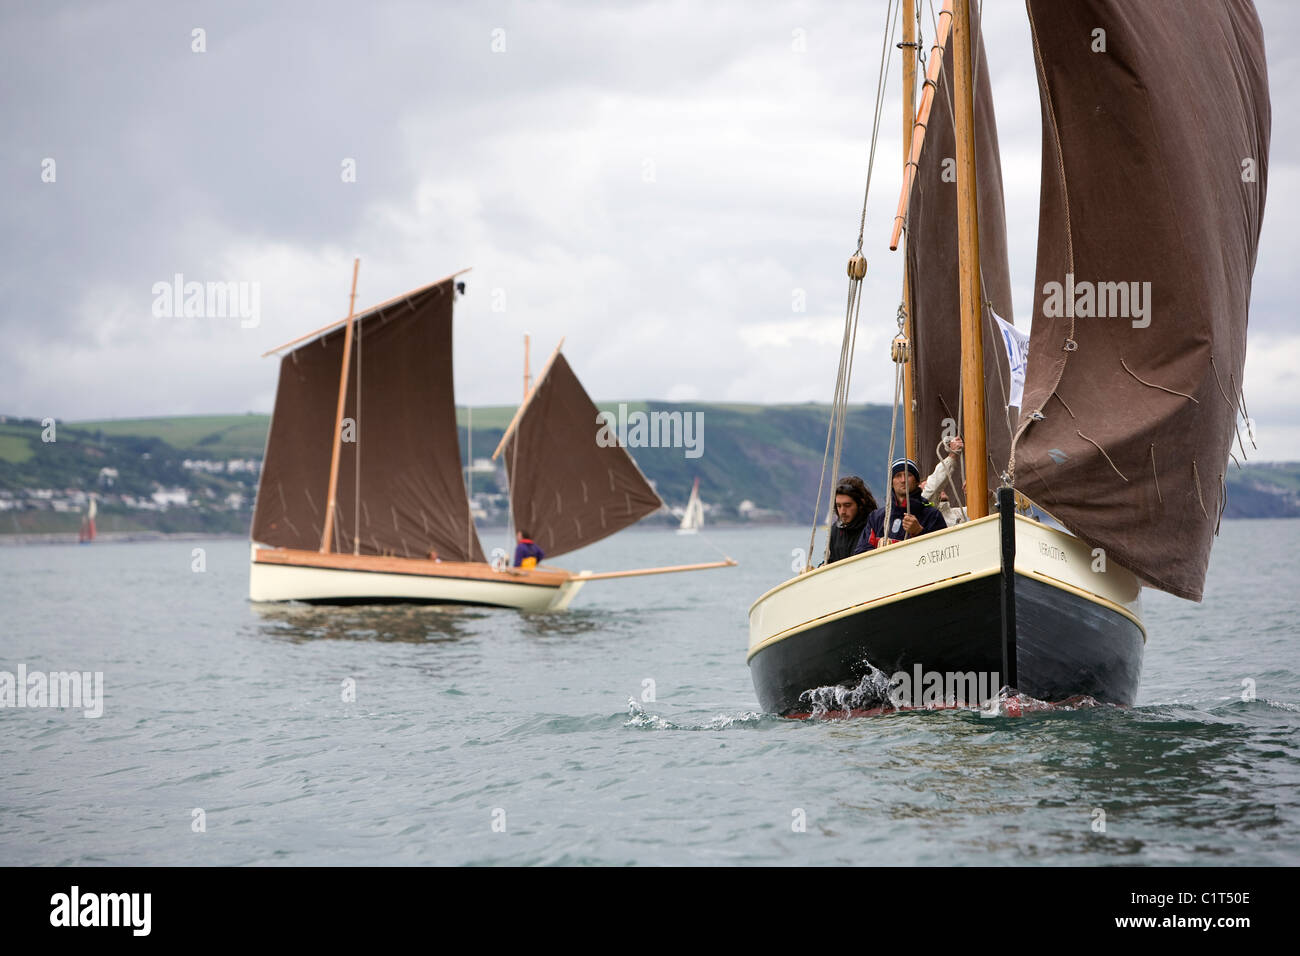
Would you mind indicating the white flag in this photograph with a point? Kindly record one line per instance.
(1017, 346)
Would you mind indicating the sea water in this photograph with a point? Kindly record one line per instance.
(624, 731)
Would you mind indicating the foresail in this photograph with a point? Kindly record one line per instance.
(291, 492)
(412, 495)
(1155, 151)
(933, 271)
(570, 482)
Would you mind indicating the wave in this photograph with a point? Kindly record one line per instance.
(641, 719)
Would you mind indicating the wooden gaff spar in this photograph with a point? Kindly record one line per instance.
(373, 435)
(1126, 422)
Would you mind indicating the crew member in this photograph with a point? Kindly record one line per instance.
(527, 553)
(933, 488)
(853, 505)
(910, 515)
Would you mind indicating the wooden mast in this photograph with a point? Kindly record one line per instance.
(510, 429)
(909, 121)
(968, 253)
(338, 416)
(922, 120)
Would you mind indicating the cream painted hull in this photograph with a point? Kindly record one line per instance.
(285, 582)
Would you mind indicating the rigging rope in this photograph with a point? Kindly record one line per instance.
(857, 268)
(356, 426)
(893, 437)
(887, 36)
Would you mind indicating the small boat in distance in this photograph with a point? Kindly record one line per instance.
(87, 533)
(693, 518)
(362, 498)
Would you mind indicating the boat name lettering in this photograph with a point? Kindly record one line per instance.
(1051, 551)
(936, 555)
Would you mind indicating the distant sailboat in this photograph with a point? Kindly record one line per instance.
(693, 519)
(362, 498)
(87, 533)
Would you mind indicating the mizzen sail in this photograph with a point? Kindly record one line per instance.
(567, 488)
(411, 497)
(1155, 152)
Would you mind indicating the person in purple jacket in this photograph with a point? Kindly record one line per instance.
(527, 551)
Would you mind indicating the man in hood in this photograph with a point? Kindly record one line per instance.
(909, 514)
(853, 505)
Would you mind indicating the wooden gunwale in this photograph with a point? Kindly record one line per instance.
(419, 567)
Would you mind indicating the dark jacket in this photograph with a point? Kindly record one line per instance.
(844, 538)
(527, 548)
(925, 513)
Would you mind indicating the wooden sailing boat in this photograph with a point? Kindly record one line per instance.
(693, 517)
(380, 513)
(1154, 169)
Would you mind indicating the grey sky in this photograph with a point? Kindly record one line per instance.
(652, 180)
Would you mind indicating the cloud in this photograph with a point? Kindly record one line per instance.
(653, 181)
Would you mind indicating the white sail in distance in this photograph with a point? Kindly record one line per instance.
(693, 519)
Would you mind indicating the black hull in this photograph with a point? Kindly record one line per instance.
(1063, 645)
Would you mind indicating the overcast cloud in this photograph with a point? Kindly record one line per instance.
(654, 181)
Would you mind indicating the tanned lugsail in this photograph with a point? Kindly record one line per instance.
(410, 499)
(1155, 162)
(567, 488)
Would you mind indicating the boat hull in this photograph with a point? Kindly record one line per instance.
(282, 574)
(935, 606)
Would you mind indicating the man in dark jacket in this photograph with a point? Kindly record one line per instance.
(909, 515)
(853, 505)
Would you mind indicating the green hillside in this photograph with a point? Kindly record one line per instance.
(199, 436)
(770, 455)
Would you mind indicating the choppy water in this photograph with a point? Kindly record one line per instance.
(485, 736)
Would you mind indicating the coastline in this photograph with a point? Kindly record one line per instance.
(114, 537)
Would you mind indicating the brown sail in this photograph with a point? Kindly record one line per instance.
(933, 271)
(568, 489)
(1155, 149)
(412, 494)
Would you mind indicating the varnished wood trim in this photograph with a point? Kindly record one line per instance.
(419, 567)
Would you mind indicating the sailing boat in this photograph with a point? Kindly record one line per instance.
(87, 532)
(693, 518)
(381, 514)
(1155, 147)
